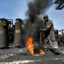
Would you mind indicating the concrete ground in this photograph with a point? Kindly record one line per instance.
(18, 56)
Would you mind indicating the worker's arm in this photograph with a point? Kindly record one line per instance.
(48, 27)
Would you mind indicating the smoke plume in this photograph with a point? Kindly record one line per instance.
(37, 7)
(32, 27)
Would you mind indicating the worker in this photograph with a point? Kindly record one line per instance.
(49, 38)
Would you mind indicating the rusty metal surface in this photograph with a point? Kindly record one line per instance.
(18, 33)
(3, 33)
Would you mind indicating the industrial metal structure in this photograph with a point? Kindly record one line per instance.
(13, 34)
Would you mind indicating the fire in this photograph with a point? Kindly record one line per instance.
(31, 48)
(41, 52)
(30, 45)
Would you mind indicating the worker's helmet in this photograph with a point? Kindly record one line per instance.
(45, 17)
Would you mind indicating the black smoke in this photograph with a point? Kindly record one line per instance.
(35, 9)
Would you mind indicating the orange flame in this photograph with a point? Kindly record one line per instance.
(41, 52)
(30, 45)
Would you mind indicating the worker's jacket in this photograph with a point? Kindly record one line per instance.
(49, 34)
